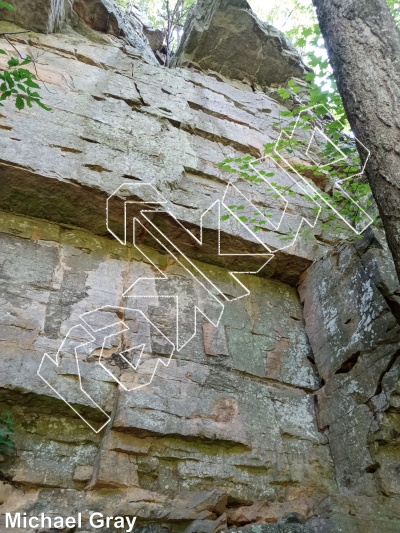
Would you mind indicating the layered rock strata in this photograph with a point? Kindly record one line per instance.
(276, 416)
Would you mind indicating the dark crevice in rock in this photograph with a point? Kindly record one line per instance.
(349, 364)
(175, 123)
(97, 168)
(98, 98)
(265, 110)
(194, 172)
(390, 365)
(198, 107)
(230, 100)
(393, 305)
(186, 206)
(311, 359)
(66, 149)
(7, 479)
(140, 95)
(272, 381)
(132, 103)
(235, 445)
(165, 110)
(129, 177)
(89, 140)
(213, 137)
(324, 240)
(371, 469)
(89, 61)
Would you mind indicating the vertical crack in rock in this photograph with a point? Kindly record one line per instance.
(388, 368)
(101, 448)
(363, 336)
(140, 95)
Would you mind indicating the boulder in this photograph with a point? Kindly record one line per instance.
(226, 36)
(50, 16)
(155, 36)
(104, 16)
(44, 16)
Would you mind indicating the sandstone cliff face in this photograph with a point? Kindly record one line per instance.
(285, 414)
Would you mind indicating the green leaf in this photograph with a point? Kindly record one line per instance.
(13, 62)
(307, 32)
(19, 102)
(16, 75)
(8, 78)
(6, 6)
(283, 93)
(310, 76)
(32, 84)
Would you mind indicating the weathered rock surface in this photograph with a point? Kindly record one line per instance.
(155, 36)
(225, 36)
(279, 419)
(48, 16)
(351, 311)
(178, 124)
(37, 15)
(104, 16)
(204, 417)
(273, 528)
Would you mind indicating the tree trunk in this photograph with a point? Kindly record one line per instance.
(363, 44)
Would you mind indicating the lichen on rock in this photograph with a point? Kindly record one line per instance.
(285, 416)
